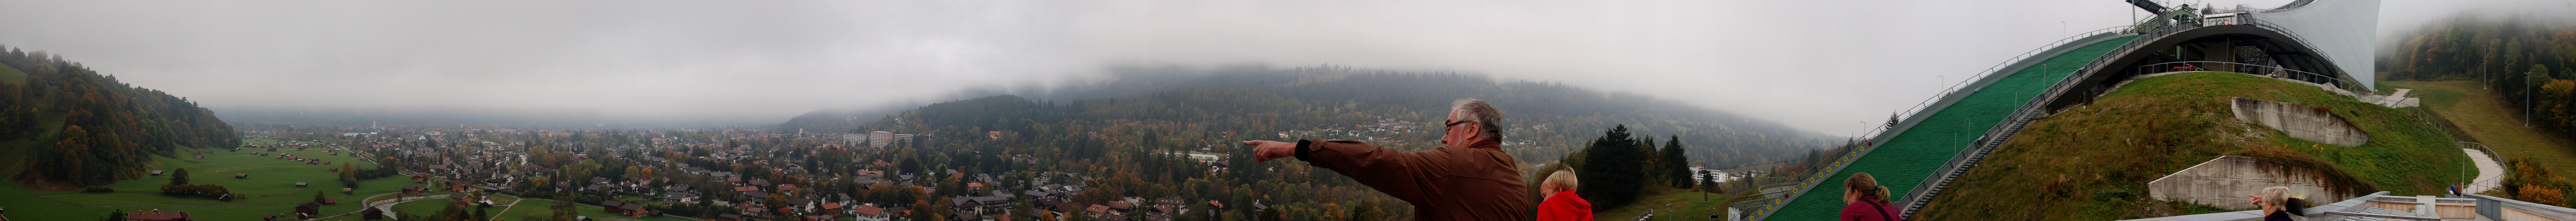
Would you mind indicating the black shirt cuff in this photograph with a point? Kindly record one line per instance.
(1301, 148)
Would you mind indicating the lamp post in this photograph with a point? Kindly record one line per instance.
(1864, 128)
(1703, 191)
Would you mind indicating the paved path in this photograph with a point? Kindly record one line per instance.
(514, 204)
(2488, 172)
(354, 211)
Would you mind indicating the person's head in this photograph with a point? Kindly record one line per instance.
(1472, 120)
(2277, 197)
(1560, 181)
(1861, 185)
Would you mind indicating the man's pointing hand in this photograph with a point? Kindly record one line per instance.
(1264, 151)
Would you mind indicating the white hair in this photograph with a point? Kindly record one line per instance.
(1483, 114)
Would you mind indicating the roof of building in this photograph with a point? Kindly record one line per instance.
(869, 210)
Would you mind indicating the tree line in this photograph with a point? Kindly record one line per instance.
(102, 130)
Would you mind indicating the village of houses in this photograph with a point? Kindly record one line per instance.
(462, 167)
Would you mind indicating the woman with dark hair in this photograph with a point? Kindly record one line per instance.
(2277, 204)
(1867, 200)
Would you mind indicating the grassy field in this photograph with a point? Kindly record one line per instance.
(12, 75)
(2491, 121)
(271, 186)
(22, 209)
(271, 180)
(527, 210)
(1679, 205)
(2092, 162)
(428, 206)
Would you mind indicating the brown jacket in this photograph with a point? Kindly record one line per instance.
(1475, 182)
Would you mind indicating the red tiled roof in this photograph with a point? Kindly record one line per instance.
(869, 210)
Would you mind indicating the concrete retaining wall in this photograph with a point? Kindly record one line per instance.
(2225, 181)
(2312, 124)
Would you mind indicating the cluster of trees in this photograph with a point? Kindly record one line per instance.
(351, 175)
(2534, 183)
(1619, 166)
(179, 186)
(2529, 62)
(106, 129)
(18, 118)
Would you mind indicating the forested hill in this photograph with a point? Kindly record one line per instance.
(64, 124)
(1169, 107)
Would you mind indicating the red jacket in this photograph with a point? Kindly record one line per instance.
(1860, 211)
(1565, 206)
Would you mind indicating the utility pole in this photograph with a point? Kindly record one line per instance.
(2526, 99)
(2483, 80)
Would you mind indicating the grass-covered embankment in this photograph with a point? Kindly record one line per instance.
(2093, 161)
(2488, 119)
(1677, 204)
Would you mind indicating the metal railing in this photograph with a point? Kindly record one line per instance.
(2493, 155)
(2340, 83)
(1988, 74)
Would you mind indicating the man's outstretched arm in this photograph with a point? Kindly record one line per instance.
(1397, 173)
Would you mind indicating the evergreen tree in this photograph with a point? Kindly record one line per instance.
(1675, 165)
(1708, 181)
(179, 176)
(317, 196)
(1614, 168)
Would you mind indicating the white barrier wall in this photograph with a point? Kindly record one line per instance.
(2225, 181)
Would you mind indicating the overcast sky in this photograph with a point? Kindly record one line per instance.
(1818, 65)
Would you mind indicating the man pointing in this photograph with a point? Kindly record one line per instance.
(1468, 178)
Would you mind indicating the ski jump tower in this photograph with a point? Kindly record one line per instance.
(2322, 42)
